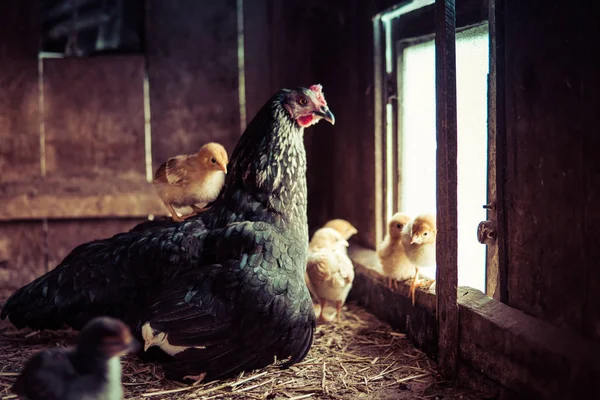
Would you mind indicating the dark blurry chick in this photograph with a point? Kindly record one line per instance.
(91, 370)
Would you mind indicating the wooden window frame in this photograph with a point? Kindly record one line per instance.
(439, 19)
(487, 343)
(407, 29)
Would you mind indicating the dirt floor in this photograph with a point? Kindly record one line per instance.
(358, 358)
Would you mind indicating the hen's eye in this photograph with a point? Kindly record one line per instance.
(302, 101)
(212, 160)
(398, 226)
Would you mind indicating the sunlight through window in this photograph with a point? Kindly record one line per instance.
(418, 142)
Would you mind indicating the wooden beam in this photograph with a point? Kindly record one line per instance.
(497, 271)
(447, 218)
(379, 131)
(79, 198)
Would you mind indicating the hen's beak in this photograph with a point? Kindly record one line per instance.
(326, 114)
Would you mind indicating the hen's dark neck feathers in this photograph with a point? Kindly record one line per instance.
(267, 178)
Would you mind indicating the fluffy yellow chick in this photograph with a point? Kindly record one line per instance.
(342, 226)
(418, 241)
(329, 270)
(188, 180)
(393, 259)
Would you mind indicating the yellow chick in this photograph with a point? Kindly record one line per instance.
(342, 226)
(394, 262)
(329, 270)
(418, 241)
(187, 180)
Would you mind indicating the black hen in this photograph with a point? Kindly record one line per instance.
(226, 288)
(90, 371)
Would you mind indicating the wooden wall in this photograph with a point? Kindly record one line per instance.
(193, 75)
(21, 244)
(75, 147)
(552, 174)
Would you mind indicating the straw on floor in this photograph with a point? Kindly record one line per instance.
(358, 358)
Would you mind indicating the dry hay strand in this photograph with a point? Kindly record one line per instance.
(357, 358)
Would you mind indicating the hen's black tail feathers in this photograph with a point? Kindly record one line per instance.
(304, 347)
(90, 281)
(30, 307)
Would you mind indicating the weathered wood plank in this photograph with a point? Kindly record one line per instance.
(19, 94)
(64, 236)
(591, 175)
(551, 109)
(447, 183)
(494, 283)
(476, 380)
(523, 353)
(79, 198)
(257, 55)
(379, 222)
(22, 253)
(94, 117)
(193, 75)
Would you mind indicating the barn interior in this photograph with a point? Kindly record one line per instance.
(480, 111)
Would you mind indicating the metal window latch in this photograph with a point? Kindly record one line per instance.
(491, 206)
(487, 233)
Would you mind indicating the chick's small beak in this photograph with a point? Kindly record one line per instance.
(223, 168)
(326, 114)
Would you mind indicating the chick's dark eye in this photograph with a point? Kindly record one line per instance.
(424, 233)
(212, 160)
(302, 101)
(398, 226)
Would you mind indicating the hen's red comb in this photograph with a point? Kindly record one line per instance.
(318, 89)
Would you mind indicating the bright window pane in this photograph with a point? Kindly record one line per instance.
(418, 142)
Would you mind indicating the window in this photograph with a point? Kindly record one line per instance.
(83, 28)
(410, 122)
